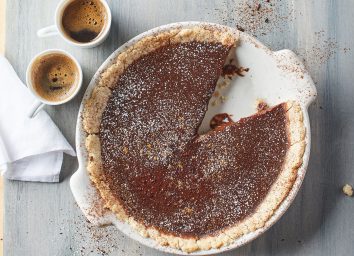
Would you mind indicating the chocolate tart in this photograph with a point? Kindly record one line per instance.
(152, 168)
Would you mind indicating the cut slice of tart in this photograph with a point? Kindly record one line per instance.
(151, 167)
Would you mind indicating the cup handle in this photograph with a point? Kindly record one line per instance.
(36, 107)
(48, 31)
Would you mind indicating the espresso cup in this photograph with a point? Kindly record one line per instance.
(86, 18)
(54, 77)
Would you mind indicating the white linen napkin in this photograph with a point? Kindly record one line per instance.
(30, 149)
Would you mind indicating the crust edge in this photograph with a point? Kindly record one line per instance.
(96, 103)
(276, 195)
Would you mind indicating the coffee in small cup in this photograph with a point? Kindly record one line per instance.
(54, 76)
(84, 20)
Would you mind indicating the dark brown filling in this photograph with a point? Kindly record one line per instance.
(155, 163)
(219, 120)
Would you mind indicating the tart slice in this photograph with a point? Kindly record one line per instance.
(188, 191)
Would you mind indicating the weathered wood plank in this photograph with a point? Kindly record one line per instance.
(2, 50)
(42, 219)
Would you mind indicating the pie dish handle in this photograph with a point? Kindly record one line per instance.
(88, 199)
(288, 61)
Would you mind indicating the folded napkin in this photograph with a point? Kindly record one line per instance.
(30, 149)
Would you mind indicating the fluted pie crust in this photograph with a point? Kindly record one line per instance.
(92, 115)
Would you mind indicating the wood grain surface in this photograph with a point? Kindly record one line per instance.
(2, 49)
(42, 219)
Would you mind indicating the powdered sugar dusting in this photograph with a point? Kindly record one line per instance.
(166, 175)
(159, 98)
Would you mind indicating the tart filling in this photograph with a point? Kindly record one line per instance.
(154, 171)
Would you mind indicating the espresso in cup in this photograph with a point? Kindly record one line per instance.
(54, 77)
(84, 20)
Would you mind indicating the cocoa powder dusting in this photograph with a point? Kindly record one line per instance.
(321, 49)
(93, 240)
(262, 18)
(84, 238)
(255, 17)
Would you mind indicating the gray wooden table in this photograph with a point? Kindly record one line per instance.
(42, 219)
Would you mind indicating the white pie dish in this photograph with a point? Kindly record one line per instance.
(274, 77)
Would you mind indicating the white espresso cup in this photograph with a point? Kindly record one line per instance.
(40, 100)
(57, 28)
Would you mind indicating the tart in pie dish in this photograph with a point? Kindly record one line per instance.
(152, 168)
